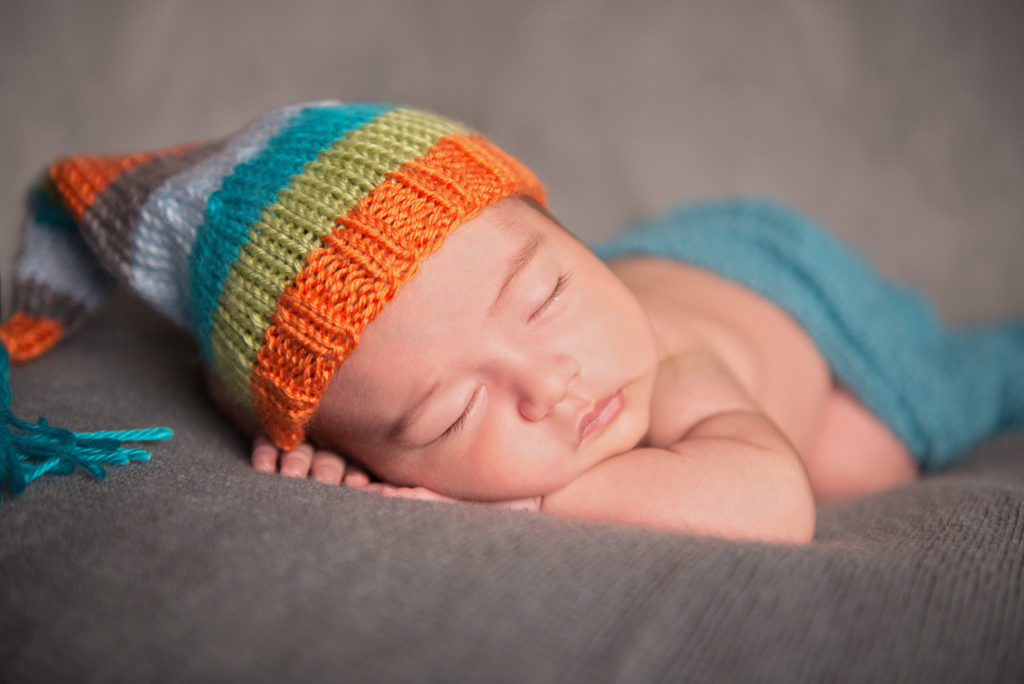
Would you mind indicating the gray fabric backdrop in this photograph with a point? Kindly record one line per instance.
(897, 124)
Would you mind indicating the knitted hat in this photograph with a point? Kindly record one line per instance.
(275, 246)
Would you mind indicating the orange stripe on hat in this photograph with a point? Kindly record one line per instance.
(27, 337)
(371, 251)
(80, 180)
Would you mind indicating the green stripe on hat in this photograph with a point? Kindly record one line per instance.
(291, 227)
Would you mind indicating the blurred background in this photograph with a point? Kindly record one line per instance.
(899, 125)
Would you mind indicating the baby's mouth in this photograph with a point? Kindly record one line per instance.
(600, 415)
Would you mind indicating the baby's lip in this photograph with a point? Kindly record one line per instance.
(599, 415)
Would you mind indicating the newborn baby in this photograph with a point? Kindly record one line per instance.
(516, 364)
(385, 296)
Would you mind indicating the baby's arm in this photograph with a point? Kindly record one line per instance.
(733, 473)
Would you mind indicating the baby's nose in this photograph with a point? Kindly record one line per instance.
(545, 385)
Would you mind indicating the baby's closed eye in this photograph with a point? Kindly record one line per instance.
(556, 293)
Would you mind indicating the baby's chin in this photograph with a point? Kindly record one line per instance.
(630, 428)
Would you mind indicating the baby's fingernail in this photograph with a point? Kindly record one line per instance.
(327, 476)
(356, 480)
(263, 467)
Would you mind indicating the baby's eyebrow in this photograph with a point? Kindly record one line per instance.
(519, 262)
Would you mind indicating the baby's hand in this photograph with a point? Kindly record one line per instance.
(330, 468)
(304, 460)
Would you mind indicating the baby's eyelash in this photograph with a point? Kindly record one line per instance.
(563, 280)
(455, 427)
(460, 422)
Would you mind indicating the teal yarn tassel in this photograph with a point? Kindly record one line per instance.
(28, 450)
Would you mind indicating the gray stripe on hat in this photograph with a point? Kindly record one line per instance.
(38, 299)
(61, 259)
(109, 224)
(169, 219)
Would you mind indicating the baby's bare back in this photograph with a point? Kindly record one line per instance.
(846, 449)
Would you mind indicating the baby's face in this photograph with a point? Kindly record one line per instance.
(510, 363)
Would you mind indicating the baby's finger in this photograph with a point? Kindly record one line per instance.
(356, 475)
(369, 487)
(296, 462)
(419, 493)
(328, 467)
(264, 455)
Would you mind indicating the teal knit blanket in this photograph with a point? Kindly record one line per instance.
(941, 389)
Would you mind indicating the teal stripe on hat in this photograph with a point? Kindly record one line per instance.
(45, 207)
(239, 203)
(171, 217)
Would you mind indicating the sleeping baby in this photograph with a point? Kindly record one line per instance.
(382, 300)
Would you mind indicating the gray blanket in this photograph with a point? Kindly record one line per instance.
(193, 567)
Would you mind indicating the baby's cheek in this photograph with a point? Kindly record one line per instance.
(606, 323)
(510, 459)
(408, 470)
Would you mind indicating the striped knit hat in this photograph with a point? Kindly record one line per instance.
(275, 246)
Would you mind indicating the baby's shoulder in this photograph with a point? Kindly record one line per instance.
(697, 314)
(689, 305)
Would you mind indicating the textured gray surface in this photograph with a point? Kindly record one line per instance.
(898, 126)
(195, 568)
